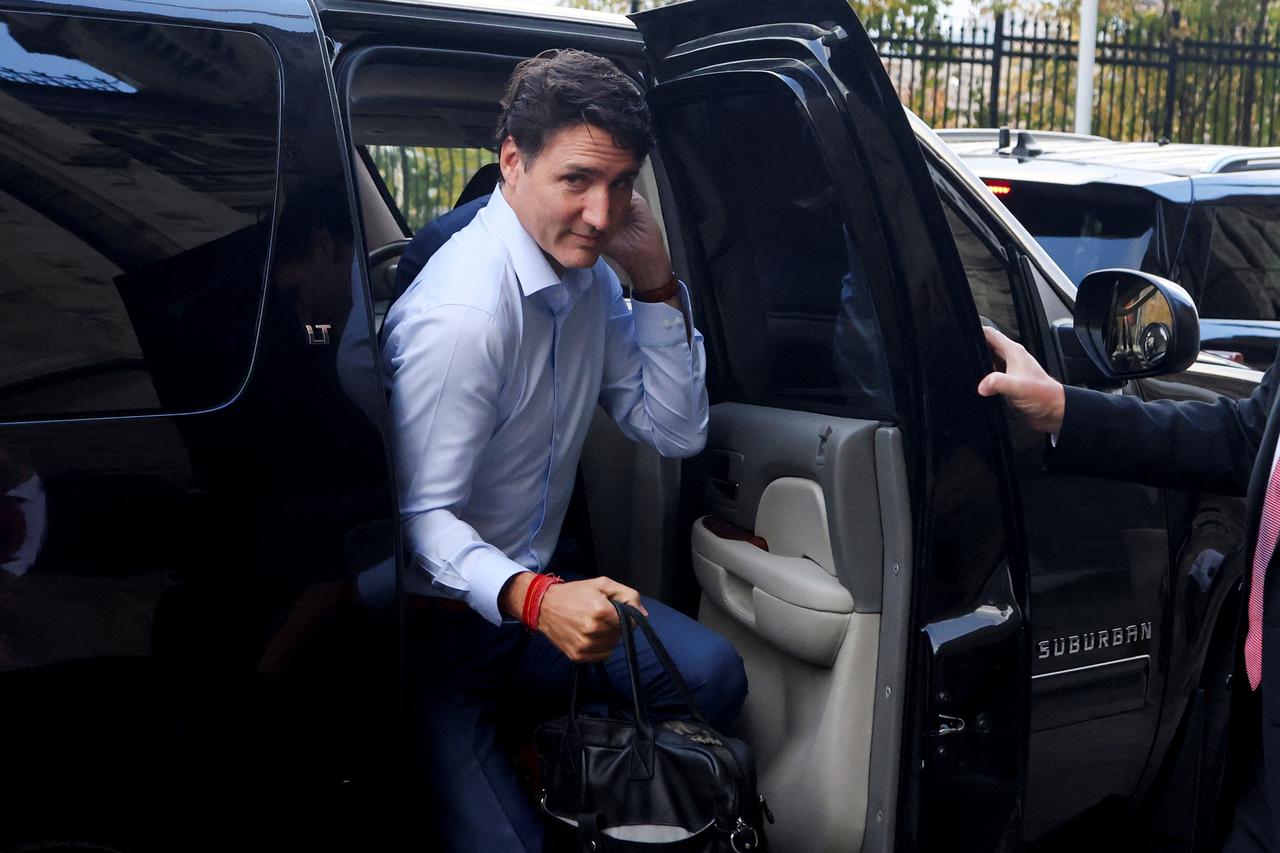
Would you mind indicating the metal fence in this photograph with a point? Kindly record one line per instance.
(425, 182)
(1212, 84)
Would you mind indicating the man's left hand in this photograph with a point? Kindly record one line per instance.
(638, 248)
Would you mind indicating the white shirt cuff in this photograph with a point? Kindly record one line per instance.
(487, 581)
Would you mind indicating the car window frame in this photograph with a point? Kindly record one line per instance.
(1025, 286)
(862, 219)
(271, 218)
(937, 154)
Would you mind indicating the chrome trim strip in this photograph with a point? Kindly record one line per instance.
(529, 9)
(1090, 666)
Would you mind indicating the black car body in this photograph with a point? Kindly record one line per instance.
(949, 648)
(1206, 216)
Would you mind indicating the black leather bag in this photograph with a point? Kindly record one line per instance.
(621, 784)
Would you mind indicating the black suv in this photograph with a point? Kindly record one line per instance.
(948, 647)
(1206, 216)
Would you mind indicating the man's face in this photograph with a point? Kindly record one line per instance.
(574, 195)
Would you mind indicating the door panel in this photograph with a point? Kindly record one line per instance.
(1099, 562)
(835, 454)
(827, 281)
(784, 599)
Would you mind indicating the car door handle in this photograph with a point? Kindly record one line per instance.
(725, 488)
(724, 470)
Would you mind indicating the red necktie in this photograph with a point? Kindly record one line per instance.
(1268, 531)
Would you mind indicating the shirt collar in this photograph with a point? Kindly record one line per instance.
(533, 270)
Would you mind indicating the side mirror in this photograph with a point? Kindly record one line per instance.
(1133, 324)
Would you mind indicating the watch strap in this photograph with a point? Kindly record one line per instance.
(658, 294)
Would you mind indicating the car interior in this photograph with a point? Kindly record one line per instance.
(790, 520)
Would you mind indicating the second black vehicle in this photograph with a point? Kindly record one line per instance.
(1206, 216)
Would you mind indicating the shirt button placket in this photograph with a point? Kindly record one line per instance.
(555, 428)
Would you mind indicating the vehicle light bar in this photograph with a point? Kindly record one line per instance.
(1000, 188)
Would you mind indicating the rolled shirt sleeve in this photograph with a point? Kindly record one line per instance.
(444, 367)
(654, 379)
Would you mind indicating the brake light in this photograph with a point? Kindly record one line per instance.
(1000, 188)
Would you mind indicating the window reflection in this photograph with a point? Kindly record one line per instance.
(137, 178)
(19, 65)
(987, 272)
(1230, 261)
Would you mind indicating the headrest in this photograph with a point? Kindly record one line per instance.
(483, 182)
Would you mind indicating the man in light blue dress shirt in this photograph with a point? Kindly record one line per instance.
(495, 358)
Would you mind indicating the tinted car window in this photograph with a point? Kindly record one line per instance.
(1230, 261)
(1088, 228)
(786, 276)
(137, 181)
(988, 274)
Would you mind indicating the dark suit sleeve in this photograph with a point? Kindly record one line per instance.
(420, 249)
(1190, 444)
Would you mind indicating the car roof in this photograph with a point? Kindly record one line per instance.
(1075, 159)
(541, 11)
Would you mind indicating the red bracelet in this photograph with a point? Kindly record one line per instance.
(534, 586)
(532, 610)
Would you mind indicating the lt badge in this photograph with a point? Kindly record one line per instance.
(318, 335)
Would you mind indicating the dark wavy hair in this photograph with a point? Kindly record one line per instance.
(559, 88)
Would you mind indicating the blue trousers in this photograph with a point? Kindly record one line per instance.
(472, 682)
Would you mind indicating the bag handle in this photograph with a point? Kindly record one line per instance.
(642, 756)
(630, 615)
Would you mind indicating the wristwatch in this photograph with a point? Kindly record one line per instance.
(658, 294)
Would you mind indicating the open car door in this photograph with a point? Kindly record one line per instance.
(855, 530)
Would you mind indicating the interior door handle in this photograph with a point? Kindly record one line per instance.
(727, 488)
(724, 471)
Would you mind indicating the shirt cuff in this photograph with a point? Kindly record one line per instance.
(660, 325)
(487, 581)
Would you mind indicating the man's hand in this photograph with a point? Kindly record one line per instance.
(1034, 394)
(577, 617)
(638, 248)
